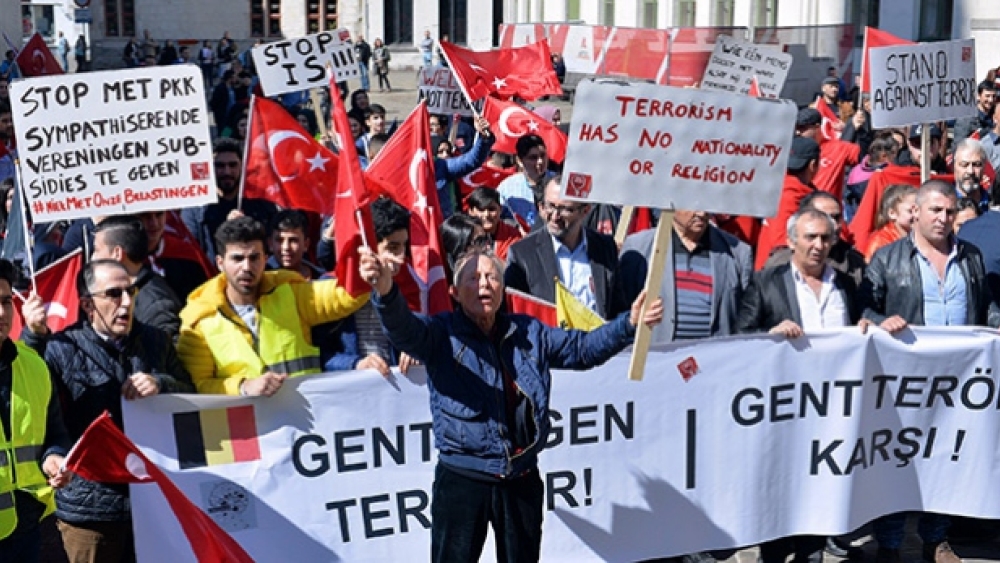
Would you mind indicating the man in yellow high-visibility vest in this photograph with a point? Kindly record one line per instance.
(33, 439)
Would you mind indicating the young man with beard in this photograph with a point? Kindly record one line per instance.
(203, 221)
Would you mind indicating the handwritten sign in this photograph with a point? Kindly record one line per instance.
(298, 64)
(734, 63)
(438, 86)
(114, 142)
(923, 82)
(680, 148)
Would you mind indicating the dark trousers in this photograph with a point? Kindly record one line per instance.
(22, 547)
(804, 548)
(462, 508)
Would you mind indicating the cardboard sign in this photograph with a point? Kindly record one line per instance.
(298, 64)
(444, 96)
(677, 148)
(122, 141)
(923, 82)
(734, 63)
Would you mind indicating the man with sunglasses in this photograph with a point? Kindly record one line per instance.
(583, 259)
(95, 362)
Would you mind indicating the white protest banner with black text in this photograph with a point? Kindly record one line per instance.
(731, 441)
(735, 63)
(923, 82)
(444, 96)
(681, 148)
(291, 65)
(124, 141)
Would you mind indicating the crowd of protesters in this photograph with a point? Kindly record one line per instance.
(237, 296)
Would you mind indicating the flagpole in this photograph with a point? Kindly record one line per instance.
(246, 153)
(461, 85)
(28, 239)
(361, 227)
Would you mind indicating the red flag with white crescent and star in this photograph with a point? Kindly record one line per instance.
(485, 175)
(36, 59)
(831, 127)
(284, 164)
(514, 121)
(522, 71)
(56, 284)
(404, 171)
(105, 455)
(352, 217)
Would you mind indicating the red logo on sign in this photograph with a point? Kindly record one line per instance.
(200, 171)
(579, 185)
(688, 368)
(966, 54)
(344, 35)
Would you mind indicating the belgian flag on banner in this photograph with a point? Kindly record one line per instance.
(216, 437)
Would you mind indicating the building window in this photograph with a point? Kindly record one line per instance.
(398, 21)
(119, 18)
(684, 12)
(38, 19)
(321, 15)
(767, 13)
(864, 13)
(573, 10)
(609, 12)
(935, 20)
(453, 20)
(722, 13)
(265, 18)
(649, 9)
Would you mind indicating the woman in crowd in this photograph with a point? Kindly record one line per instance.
(895, 218)
(381, 56)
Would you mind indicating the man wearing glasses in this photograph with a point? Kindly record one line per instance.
(103, 357)
(204, 221)
(583, 259)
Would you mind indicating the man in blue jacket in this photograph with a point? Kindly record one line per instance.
(489, 387)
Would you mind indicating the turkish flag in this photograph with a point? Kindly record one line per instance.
(36, 59)
(105, 455)
(863, 224)
(404, 171)
(513, 121)
(56, 284)
(485, 175)
(284, 164)
(351, 215)
(526, 304)
(875, 38)
(831, 127)
(522, 71)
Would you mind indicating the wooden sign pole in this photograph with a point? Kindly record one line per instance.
(623, 223)
(925, 152)
(654, 276)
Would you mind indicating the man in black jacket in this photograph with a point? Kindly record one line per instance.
(95, 362)
(804, 294)
(123, 239)
(583, 259)
(928, 278)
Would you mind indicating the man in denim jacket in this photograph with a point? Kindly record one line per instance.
(489, 385)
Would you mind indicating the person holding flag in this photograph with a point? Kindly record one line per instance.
(33, 439)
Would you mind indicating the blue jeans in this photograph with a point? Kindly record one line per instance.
(889, 532)
(24, 547)
(427, 58)
(463, 507)
(365, 84)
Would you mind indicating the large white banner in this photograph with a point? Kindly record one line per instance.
(735, 63)
(923, 82)
(301, 63)
(725, 443)
(680, 148)
(444, 96)
(105, 143)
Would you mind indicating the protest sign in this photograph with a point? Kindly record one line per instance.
(735, 63)
(297, 64)
(339, 467)
(123, 141)
(444, 96)
(665, 147)
(923, 82)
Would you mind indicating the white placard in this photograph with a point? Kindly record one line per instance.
(735, 63)
(681, 148)
(857, 425)
(923, 82)
(439, 87)
(123, 141)
(291, 65)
